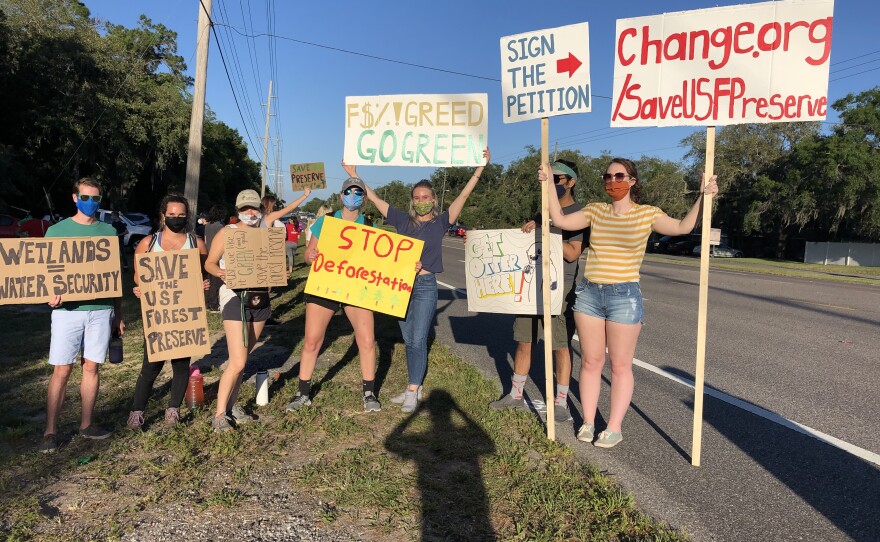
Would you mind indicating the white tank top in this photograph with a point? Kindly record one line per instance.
(157, 246)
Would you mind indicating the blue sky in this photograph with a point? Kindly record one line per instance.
(311, 83)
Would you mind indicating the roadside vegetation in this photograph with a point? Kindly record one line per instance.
(453, 470)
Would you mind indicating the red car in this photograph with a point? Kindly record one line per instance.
(8, 226)
(33, 227)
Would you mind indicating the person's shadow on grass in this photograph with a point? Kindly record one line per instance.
(446, 451)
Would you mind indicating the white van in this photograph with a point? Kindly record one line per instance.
(137, 226)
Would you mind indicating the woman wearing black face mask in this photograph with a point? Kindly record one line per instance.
(171, 235)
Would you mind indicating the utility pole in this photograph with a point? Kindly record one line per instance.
(278, 193)
(194, 149)
(443, 193)
(266, 142)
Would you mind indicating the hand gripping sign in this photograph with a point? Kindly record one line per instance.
(364, 266)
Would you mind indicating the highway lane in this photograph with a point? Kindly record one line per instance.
(805, 350)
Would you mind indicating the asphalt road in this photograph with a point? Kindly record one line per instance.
(793, 349)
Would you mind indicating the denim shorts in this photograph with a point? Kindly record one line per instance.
(621, 302)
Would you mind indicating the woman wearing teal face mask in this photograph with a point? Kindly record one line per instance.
(320, 310)
(428, 222)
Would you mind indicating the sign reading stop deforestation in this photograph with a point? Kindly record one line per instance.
(34, 270)
(173, 304)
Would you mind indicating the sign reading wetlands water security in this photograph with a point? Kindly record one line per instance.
(34, 270)
(753, 63)
(364, 266)
(439, 130)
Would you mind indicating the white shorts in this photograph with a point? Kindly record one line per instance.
(75, 331)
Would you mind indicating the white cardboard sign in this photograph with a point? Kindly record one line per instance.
(436, 130)
(754, 63)
(546, 73)
(503, 272)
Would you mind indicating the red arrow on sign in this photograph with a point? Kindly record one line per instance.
(570, 65)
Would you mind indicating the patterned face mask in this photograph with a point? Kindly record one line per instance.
(423, 207)
(249, 219)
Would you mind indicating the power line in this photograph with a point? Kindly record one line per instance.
(237, 66)
(853, 74)
(228, 78)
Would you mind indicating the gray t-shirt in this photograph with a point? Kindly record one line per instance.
(570, 270)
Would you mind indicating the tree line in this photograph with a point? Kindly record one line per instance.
(84, 97)
(781, 184)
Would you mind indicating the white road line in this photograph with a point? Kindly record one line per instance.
(455, 247)
(462, 261)
(861, 453)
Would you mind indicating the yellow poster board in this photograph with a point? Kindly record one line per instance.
(364, 266)
(35, 269)
(173, 304)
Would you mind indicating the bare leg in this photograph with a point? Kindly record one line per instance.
(317, 319)
(591, 331)
(255, 329)
(522, 359)
(55, 396)
(622, 340)
(362, 322)
(563, 366)
(88, 390)
(234, 367)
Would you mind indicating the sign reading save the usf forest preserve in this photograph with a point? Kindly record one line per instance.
(364, 266)
(504, 272)
(309, 175)
(34, 270)
(437, 130)
(254, 257)
(546, 73)
(753, 63)
(173, 304)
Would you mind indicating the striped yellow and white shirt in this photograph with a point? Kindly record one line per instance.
(617, 242)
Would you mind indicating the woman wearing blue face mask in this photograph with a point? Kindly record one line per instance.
(320, 310)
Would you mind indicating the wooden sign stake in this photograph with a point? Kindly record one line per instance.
(704, 300)
(550, 395)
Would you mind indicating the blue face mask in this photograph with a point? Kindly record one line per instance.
(352, 201)
(88, 208)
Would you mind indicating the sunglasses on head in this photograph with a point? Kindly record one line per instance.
(353, 190)
(616, 177)
(86, 197)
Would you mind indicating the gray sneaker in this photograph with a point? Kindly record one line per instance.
(239, 416)
(608, 439)
(507, 402)
(561, 413)
(411, 400)
(48, 445)
(94, 432)
(371, 404)
(586, 432)
(398, 399)
(221, 424)
(299, 401)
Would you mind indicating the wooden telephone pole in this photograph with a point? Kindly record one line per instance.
(194, 150)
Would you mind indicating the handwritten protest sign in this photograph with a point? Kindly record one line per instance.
(504, 273)
(753, 63)
(438, 130)
(309, 175)
(543, 73)
(254, 257)
(173, 304)
(34, 270)
(364, 266)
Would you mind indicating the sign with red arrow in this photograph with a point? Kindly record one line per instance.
(546, 73)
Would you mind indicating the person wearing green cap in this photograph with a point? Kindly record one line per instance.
(527, 328)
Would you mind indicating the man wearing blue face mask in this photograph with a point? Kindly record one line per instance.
(80, 326)
(528, 328)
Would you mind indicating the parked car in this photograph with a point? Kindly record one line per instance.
(8, 226)
(456, 230)
(137, 225)
(680, 245)
(720, 251)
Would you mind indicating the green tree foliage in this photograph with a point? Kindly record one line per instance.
(87, 97)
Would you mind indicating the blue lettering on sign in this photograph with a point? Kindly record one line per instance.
(550, 100)
(531, 47)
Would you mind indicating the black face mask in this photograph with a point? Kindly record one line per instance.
(176, 223)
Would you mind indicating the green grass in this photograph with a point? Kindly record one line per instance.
(784, 268)
(452, 470)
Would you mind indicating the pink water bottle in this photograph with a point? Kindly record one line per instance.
(195, 393)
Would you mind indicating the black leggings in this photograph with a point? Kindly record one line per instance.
(149, 372)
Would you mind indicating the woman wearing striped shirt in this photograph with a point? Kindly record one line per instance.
(608, 310)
